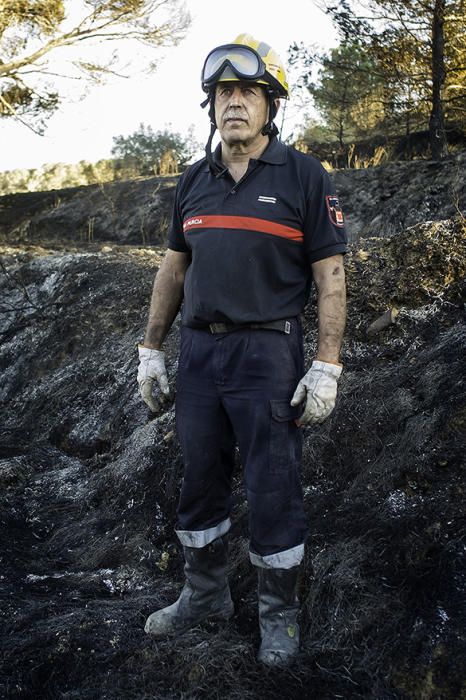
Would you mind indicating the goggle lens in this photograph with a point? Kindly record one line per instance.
(245, 62)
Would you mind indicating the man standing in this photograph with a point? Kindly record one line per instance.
(253, 224)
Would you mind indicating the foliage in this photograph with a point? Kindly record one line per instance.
(401, 66)
(346, 91)
(35, 32)
(315, 131)
(55, 176)
(145, 151)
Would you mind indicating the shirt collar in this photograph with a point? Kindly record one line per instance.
(275, 154)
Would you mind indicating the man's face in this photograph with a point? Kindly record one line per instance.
(241, 110)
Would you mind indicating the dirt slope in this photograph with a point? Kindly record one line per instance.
(378, 201)
(134, 211)
(89, 482)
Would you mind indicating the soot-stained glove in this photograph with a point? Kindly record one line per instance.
(318, 388)
(152, 368)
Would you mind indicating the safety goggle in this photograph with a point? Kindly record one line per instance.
(243, 61)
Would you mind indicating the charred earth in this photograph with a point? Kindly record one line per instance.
(378, 201)
(89, 482)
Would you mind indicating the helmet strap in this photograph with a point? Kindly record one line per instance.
(270, 129)
(216, 168)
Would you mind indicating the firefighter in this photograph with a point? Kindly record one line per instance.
(254, 224)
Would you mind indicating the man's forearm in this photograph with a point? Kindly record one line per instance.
(167, 295)
(331, 308)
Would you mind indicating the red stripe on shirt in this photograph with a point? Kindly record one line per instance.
(245, 223)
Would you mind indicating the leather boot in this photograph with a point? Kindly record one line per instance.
(205, 594)
(278, 610)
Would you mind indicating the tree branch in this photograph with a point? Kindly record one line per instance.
(82, 32)
(14, 114)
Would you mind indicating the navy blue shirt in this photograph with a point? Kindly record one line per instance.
(252, 243)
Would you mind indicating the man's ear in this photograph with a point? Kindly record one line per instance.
(277, 104)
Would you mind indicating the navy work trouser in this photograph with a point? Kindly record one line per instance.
(236, 387)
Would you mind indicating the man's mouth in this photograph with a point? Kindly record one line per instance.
(234, 119)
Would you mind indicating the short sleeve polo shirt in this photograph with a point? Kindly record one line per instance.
(252, 243)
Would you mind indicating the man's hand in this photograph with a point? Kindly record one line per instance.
(319, 389)
(151, 368)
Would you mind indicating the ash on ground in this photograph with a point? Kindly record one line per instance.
(89, 483)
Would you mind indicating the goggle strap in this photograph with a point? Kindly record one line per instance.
(275, 86)
(272, 82)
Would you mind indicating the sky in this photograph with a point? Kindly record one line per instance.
(83, 128)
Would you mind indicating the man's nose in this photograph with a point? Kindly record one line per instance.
(236, 97)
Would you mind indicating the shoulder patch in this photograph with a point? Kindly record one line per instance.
(334, 210)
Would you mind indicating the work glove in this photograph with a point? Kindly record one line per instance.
(152, 368)
(318, 388)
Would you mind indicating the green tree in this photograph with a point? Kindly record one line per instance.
(141, 153)
(419, 46)
(33, 32)
(347, 90)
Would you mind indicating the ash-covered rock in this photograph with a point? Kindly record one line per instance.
(89, 484)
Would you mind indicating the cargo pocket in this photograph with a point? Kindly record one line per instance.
(285, 437)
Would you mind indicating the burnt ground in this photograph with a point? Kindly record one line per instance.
(89, 482)
(377, 201)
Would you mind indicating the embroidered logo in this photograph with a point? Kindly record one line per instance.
(267, 200)
(334, 210)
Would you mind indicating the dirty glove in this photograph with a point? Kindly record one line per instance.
(151, 368)
(319, 389)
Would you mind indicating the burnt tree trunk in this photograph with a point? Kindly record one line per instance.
(408, 113)
(342, 114)
(438, 143)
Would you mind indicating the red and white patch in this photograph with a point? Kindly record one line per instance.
(334, 210)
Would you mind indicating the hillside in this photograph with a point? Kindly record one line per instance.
(89, 484)
(377, 201)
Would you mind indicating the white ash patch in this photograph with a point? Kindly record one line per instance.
(116, 581)
(422, 313)
(397, 502)
(120, 581)
(50, 283)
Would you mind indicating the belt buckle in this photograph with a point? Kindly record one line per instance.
(217, 328)
(287, 327)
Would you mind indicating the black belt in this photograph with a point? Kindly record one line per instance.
(284, 326)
